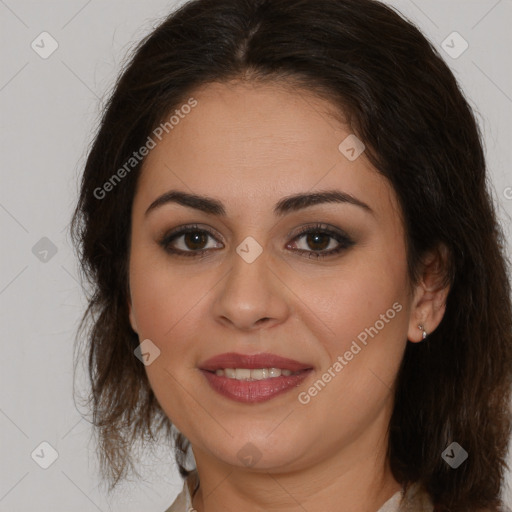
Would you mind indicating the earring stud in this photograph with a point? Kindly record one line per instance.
(421, 328)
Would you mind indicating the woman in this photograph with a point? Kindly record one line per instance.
(296, 265)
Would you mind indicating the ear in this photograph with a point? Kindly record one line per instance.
(430, 294)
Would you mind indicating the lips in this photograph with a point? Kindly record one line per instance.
(262, 360)
(253, 392)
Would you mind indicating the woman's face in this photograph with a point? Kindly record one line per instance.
(336, 302)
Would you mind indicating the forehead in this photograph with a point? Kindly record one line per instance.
(257, 142)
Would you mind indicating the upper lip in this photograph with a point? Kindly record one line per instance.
(262, 360)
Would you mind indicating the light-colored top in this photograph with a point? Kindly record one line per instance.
(414, 500)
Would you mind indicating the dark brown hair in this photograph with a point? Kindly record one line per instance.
(403, 102)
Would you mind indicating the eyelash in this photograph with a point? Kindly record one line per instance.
(344, 240)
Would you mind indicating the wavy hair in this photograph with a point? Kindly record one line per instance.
(401, 99)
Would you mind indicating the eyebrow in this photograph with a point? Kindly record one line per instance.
(286, 205)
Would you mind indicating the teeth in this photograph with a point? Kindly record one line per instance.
(253, 374)
(242, 373)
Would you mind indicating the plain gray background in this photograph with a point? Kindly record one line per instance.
(49, 110)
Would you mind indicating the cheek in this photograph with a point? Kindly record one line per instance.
(163, 302)
(162, 297)
(365, 309)
(363, 357)
(358, 295)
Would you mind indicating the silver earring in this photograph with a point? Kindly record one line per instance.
(421, 328)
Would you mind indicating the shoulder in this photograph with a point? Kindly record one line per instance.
(417, 499)
(182, 502)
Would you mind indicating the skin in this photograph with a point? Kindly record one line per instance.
(249, 146)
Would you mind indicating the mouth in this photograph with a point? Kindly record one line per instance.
(251, 374)
(253, 378)
(260, 361)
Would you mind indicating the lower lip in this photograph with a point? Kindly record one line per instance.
(254, 391)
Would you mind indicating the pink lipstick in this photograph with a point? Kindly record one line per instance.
(253, 378)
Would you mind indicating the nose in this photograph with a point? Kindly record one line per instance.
(251, 296)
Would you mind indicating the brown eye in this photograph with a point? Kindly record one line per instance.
(321, 241)
(194, 240)
(318, 242)
(187, 241)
